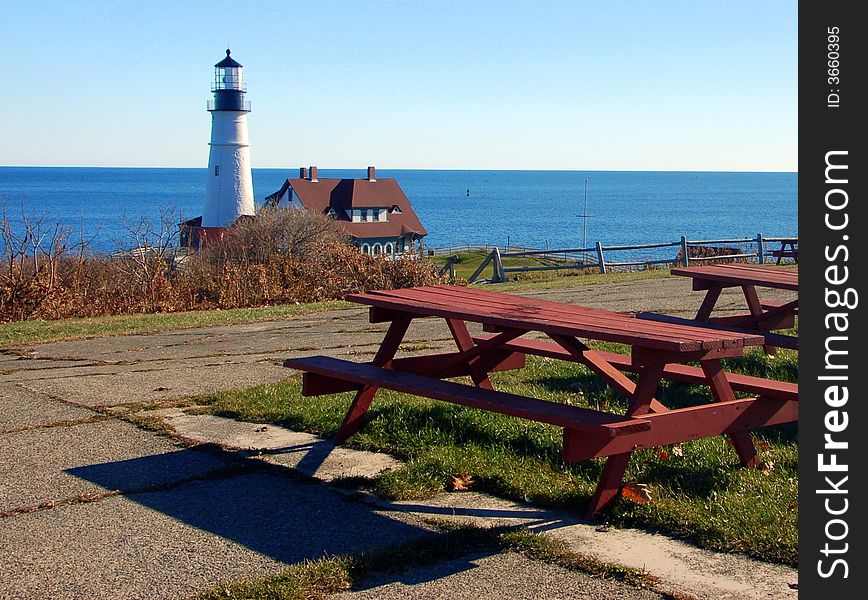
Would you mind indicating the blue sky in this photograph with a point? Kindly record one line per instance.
(627, 85)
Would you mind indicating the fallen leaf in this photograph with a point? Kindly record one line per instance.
(461, 483)
(636, 492)
(678, 450)
(662, 454)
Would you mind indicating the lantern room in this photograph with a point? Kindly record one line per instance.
(228, 86)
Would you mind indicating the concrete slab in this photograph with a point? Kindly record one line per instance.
(129, 385)
(305, 453)
(682, 567)
(47, 464)
(340, 331)
(20, 408)
(176, 542)
(506, 576)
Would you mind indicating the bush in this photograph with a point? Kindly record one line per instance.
(282, 256)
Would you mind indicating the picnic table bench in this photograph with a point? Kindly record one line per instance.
(763, 317)
(658, 351)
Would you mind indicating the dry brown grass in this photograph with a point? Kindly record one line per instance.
(282, 257)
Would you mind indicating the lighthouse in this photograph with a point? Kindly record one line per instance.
(229, 187)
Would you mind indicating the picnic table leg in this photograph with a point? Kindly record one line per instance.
(756, 310)
(364, 397)
(594, 361)
(722, 392)
(708, 303)
(616, 465)
(464, 341)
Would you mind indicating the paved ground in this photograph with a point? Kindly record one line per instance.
(94, 507)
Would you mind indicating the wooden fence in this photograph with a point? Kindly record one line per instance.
(441, 250)
(599, 257)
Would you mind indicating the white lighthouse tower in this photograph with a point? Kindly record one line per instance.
(229, 187)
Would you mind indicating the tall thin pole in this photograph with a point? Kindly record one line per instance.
(585, 223)
(585, 218)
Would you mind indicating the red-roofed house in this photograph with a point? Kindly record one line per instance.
(375, 213)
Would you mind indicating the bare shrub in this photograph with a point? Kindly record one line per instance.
(294, 231)
(147, 257)
(283, 256)
(32, 255)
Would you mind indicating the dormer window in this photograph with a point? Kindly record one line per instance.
(396, 210)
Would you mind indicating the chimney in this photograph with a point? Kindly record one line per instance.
(313, 178)
(302, 173)
(372, 174)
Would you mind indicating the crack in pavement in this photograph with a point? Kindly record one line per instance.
(90, 497)
(63, 423)
(271, 355)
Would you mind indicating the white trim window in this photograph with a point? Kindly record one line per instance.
(366, 249)
(377, 249)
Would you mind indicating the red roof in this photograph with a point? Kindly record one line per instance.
(346, 194)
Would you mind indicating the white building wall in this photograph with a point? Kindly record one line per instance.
(229, 186)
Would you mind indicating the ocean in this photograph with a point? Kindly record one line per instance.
(528, 208)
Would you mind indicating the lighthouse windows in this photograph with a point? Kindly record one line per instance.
(216, 170)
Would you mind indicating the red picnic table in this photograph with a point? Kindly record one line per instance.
(762, 317)
(658, 351)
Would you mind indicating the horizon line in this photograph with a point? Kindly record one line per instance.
(596, 170)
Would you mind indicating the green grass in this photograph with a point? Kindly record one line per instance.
(317, 579)
(699, 491)
(467, 263)
(555, 280)
(33, 331)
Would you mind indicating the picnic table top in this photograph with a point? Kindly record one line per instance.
(532, 314)
(740, 274)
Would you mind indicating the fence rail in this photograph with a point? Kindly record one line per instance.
(689, 251)
(441, 250)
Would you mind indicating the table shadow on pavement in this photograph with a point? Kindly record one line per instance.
(261, 508)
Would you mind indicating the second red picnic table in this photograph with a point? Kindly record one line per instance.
(658, 351)
(762, 316)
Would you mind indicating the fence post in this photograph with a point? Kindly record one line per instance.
(760, 249)
(499, 274)
(600, 258)
(685, 258)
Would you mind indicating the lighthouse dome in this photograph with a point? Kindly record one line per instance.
(228, 61)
